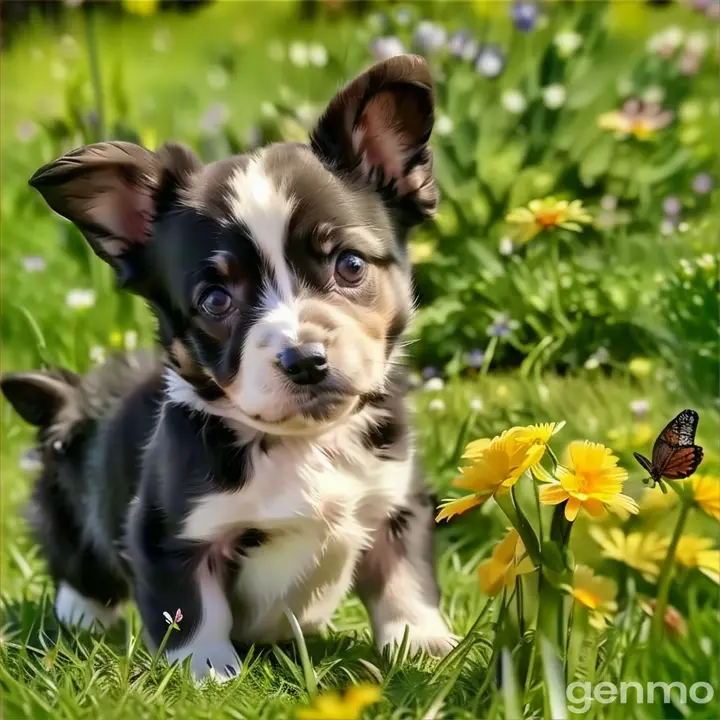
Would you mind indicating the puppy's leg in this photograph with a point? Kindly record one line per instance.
(172, 574)
(396, 581)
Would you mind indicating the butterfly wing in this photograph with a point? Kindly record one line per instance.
(683, 462)
(647, 465)
(678, 433)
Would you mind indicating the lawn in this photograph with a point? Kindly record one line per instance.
(612, 329)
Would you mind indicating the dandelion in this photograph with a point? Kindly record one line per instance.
(141, 7)
(524, 15)
(80, 299)
(349, 706)
(299, 54)
(636, 119)
(695, 551)
(444, 125)
(567, 43)
(640, 367)
(514, 102)
(592, 481)
(475, 358)
(421, 251)
(502, 326)
(429, 37)
(702, 183)
(640, 408)
(595, 593)
(673, 620)
(34, 264)
(318, 55)
(434, 384)
(497, 465)
(641, 551)
(554, 96)
(490, 61)
(383, 48)
(509, 559)
(546, 215)
(706, 493)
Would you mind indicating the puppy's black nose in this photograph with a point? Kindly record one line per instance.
(304, 364)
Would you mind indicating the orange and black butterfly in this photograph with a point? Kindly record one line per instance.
(675, 454)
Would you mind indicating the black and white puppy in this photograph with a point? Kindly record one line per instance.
(278, 472)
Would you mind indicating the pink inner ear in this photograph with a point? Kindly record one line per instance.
(381, 138)
(125, 210)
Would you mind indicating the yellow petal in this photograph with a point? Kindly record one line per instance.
(553, 494)
(459, 506)
(572, 508)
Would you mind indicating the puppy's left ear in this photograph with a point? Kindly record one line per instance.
(377, 129)
(39, 396)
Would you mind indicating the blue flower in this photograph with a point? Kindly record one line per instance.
(403, 16)
(503, 326)
(463, 45)
(490, 61)
(383, 48)
(430, 372)
(702, 183)
(475, 358)
(429, 37)
(524, 15)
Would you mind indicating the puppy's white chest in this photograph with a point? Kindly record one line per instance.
(317, 512)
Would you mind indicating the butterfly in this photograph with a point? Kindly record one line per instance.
(674, 454)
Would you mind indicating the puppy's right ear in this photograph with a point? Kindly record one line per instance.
(39, 396)
(110, 191)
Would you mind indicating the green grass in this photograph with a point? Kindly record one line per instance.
(46, 672)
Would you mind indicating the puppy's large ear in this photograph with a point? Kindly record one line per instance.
(110, 192)
(39, 396)
(378, 127)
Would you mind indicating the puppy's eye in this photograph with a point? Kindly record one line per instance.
(350, 268)
(216, 302)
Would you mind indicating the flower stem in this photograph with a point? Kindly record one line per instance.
(162, 647)
(489, 354)
(666, 573)
(555, 265)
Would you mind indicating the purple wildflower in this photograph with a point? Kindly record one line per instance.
(524, 15)
(702, 183)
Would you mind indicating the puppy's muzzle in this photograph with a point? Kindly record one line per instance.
(304, 364)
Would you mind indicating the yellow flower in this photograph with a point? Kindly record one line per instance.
(508, 560)
(595, 593)
(641, 551)
(497, 465)
(141, 7)
(349, 706)
(706, 492)
(640, 367)
(642, 434)
(546, 215)
(695, 551)
(527, 434)
(592, 481)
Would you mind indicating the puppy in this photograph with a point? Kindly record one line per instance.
(278, 471)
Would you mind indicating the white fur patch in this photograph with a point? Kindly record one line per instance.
(319, 502)
(210, 647)
(265, 210)
(76, 610)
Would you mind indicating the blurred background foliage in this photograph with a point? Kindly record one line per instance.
(531, 103)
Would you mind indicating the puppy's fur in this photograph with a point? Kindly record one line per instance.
(270, 467)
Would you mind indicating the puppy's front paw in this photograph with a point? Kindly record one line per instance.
(431, 636)
(218, 660)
